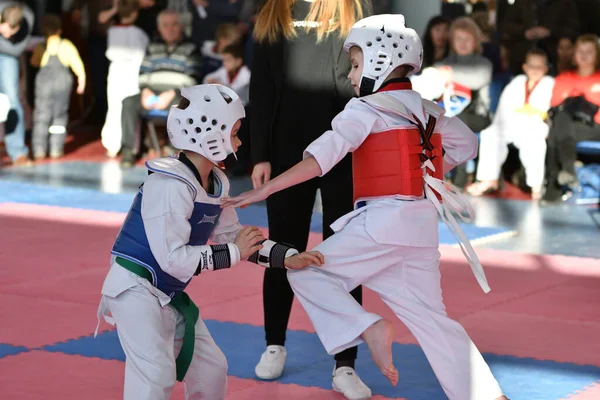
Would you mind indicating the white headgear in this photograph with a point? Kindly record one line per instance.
(204, 124)
(386, 43)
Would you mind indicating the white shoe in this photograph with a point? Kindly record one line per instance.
(271, 363)
(347, 382)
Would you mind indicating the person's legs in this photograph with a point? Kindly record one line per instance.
(15, 125)
(493, 151)
(58, 128)
(412, 289)
(147, 334)
(206, 377)
(336, 195)
(42, 114)
(289, 214)
(532, 152)
(130, 115)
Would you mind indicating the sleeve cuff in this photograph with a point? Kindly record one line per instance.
(313, 151)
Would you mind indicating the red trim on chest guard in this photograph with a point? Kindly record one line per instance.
(396, 86)
(389, 163)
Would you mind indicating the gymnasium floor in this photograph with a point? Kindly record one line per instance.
(539, 328)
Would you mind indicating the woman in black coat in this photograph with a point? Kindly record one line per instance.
(299, 84)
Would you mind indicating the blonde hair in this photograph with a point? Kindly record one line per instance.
(275, 18)
(468, 25)
(593, 39)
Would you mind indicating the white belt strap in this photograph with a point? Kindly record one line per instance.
(103, 313)
(454, 200)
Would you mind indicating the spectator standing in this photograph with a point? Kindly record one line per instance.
(126, 48)
(299, 84)
(53, 86)
(16, 24)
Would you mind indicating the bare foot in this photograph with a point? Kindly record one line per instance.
(482, 188)
(379, 338)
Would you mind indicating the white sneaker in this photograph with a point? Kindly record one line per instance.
(347, 382)
(271, 363)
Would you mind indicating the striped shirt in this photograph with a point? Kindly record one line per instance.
(165, 69)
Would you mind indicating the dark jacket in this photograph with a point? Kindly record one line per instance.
(559, 16)
(297, 88)
(17, 43)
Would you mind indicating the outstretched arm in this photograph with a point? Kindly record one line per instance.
(303, 171)
(350, 128)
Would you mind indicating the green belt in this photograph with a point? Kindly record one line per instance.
(182, 303)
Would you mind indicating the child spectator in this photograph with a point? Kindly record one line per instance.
(53, 86)
(233, 74)
(520, 120)
(126, 48)
(226, 35)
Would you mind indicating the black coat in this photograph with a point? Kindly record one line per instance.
(297, 88)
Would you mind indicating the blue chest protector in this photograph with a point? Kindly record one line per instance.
(132, 242)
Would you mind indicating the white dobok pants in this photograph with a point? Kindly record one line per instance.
(151, 337)
(529, 138)
(118, 88)
(408, 281)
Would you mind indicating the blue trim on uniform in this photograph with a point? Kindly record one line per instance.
(173, 175)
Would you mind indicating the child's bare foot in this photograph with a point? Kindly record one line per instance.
(379, 338)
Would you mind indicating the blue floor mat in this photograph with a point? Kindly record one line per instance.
(309, 365)
(19, 192)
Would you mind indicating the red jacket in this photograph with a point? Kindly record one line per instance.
(571, 84)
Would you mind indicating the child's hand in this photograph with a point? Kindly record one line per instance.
(247, 240)
(244, 199)
(305, 259)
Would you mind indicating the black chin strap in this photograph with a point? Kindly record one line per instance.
(366, 86)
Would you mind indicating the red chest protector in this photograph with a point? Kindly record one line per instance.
(390, 162)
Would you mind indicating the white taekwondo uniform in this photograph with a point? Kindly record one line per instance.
(390, 245)
(519, 120)
(165, 234)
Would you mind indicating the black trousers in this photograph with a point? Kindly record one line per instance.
(289, 213)
(130, 115)
(561, 152)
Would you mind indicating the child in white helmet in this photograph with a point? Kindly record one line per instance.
(162, 245)
(402, 146)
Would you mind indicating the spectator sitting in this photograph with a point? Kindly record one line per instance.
(520, 120)
(529, 23)
(226, 35)
(576, 115)
(233, 73)
(466, 68)
(564, 51)
(126, 46)
(16, 24)
(171, 62)
(435, 41)
(53, 86)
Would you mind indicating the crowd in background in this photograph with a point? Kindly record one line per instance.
(525, 77)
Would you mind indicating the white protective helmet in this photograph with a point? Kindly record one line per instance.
(204, 124)
(386, 43)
